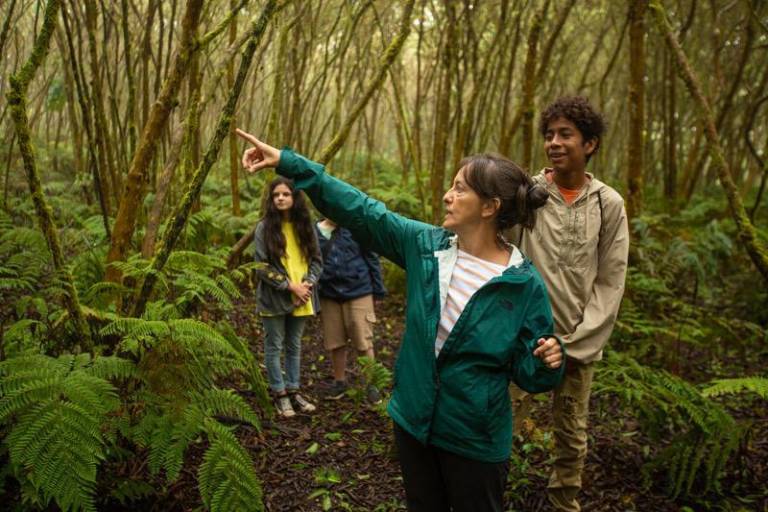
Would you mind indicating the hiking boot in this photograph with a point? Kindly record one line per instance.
(337, 390)
(283, 407)
(301, 403)
(372, 395)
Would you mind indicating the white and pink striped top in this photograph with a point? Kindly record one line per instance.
(469, 275)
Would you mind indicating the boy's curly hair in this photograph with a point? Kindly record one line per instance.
(580, 112)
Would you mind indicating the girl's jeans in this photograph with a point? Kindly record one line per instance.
(283, 330)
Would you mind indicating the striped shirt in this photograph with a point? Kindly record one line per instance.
(469, 275)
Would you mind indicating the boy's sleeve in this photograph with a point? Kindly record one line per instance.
(369, 221)
(529, 372)
(602, 306)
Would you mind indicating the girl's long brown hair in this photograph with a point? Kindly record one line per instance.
(299, 216)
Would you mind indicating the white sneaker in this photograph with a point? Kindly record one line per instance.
(284, 407)
(301, 403)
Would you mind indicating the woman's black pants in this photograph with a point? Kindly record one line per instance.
(436, 480)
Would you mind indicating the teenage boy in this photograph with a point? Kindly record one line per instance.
(579, 245)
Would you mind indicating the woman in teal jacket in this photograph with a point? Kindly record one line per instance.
(477, 317)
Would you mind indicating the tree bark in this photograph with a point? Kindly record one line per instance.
(234, 157)
(746, 231)
(636, 100)
(181, 213)
(529, 86)
(135, 185)
(17, 101)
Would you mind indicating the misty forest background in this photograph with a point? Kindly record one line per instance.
(130, 349)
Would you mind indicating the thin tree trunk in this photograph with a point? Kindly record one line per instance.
(442, 118)
(234, 157)
(17, 101)
(6, 26)
(181, 213)
(100, 132)
(130, 108)
(746, 231)
(98, 183)
(529, 86)
(163, 186)
(637, 9)
(125, 222)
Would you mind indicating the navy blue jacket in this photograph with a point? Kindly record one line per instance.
(349, 270)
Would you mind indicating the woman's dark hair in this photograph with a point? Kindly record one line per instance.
(581, 113)
(299, 216)
(493, 176)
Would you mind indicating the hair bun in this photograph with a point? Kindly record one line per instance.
(537, 196)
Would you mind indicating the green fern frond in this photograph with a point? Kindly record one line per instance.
(719, 387)
(55, 411)
(703, 434)
(226, 478)
(137, 327)
(225, 402)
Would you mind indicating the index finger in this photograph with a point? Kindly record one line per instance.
(247, 136)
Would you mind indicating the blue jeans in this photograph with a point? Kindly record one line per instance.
(283, 330)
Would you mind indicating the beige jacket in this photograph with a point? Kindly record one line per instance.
(581, 252)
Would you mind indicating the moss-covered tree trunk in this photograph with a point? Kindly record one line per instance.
(181, 213)
(529, 85)
(135, 183)
(441, 127)
(746, 231)
(636, 103)
(234, 160)
(18, 104)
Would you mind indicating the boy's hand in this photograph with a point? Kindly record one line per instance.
(259, 157)
(550, 352)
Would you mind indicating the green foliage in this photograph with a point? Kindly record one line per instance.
(698, 434)
(720, 387)
(226, 476)
(55, 410)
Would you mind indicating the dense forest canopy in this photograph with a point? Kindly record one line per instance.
(126, 216)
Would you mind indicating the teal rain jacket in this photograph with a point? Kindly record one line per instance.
(459, 400)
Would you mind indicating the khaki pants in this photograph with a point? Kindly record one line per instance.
(570, 409)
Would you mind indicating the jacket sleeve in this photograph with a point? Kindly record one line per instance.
(316, 265)
(267, 273)
(529, 372)
(602, 307)
(368, 220)
(374, 268)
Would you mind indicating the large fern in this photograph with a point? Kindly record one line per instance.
(699, 435)
(55, 410)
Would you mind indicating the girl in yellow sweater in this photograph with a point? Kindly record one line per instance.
(286, 243)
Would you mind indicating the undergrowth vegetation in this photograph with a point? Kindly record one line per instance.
(175, 378)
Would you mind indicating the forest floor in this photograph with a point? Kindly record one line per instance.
(341, 457)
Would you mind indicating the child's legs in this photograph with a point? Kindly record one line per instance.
(294, 327)
(359, 317)
(274, 334)
(334, 336)
(570, 410)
